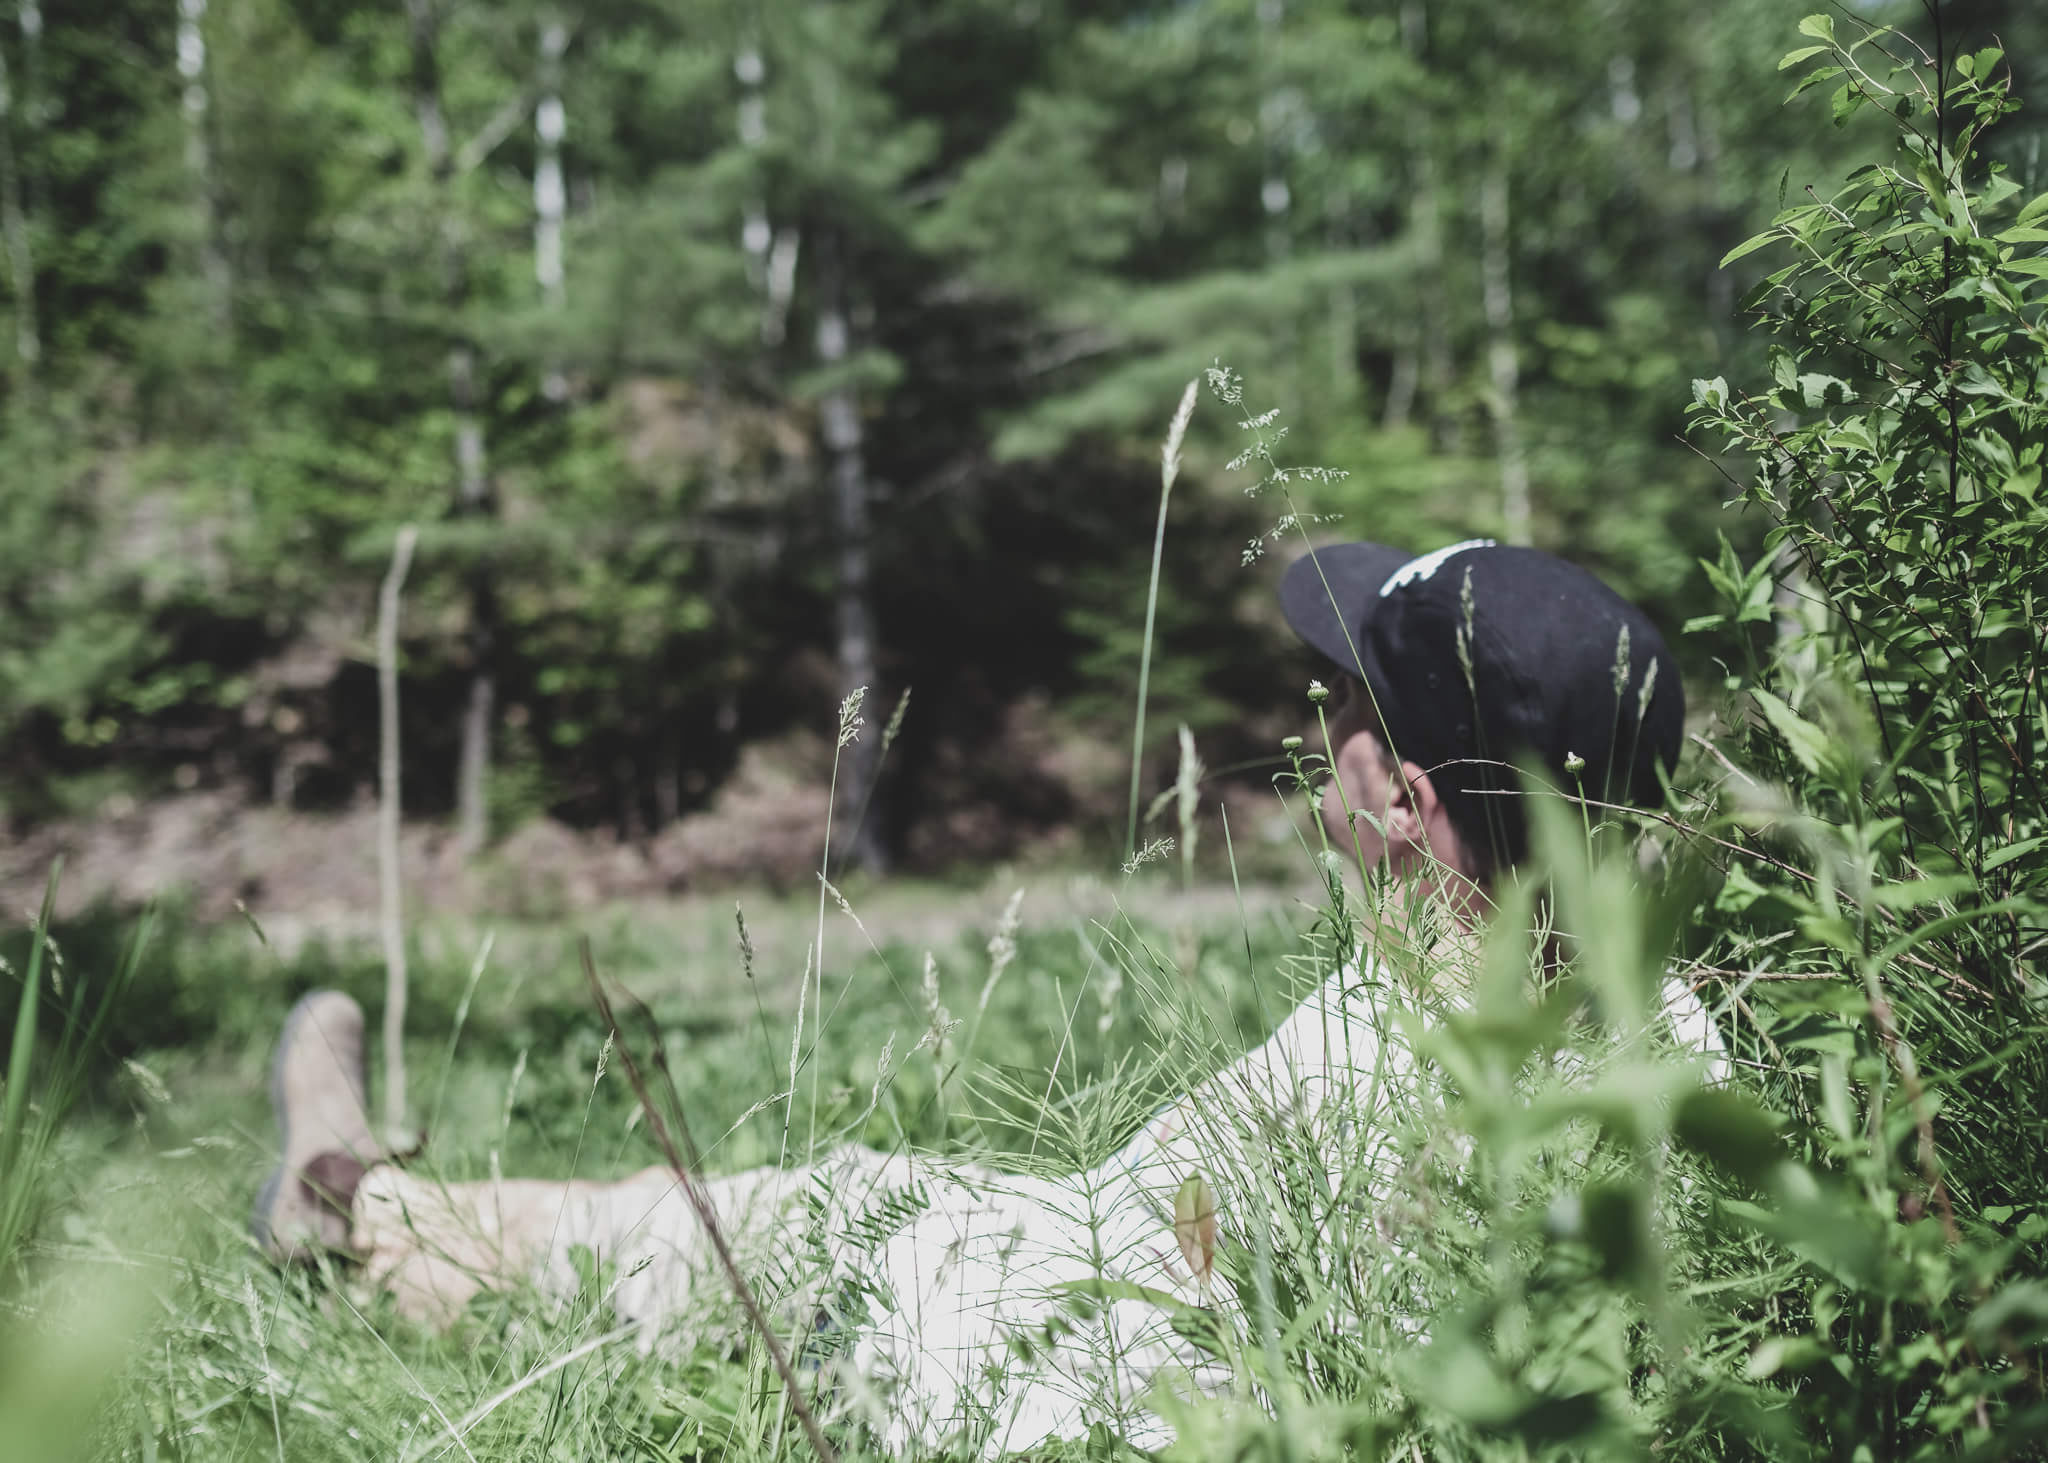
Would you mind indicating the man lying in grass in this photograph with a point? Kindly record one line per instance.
(996, 1311)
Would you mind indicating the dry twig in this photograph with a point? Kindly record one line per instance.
(671, 1130)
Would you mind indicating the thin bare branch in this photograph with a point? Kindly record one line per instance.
(670, 1129)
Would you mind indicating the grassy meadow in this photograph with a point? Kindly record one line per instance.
(1585, 1247)
(159, 1164)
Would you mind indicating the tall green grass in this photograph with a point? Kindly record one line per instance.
(65, 1330)
(56, 1043)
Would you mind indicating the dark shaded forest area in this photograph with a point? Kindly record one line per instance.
(732, 355)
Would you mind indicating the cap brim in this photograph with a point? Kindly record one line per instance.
(1328, 594)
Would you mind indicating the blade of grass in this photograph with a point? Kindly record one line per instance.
(14, 1144)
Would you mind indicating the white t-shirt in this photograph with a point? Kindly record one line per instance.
(973, 1323)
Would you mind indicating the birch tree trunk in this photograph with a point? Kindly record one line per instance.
(14, 234)
(195, 103)
(479, 714)
(390, 887)
(1339, 233)
(1502, 359)
(782, 255)
(771, 252)
(1423, 366)
(473, 490)
(1275, 197)
(853, 605)
(550, 195)
(756, 233)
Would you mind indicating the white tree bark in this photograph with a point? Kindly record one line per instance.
(390, 906)
(781, 284)
(195, 103)
(1623, 100)
(771, 252)
(1275, 106)
(550, 195)
(14, 233)
(479, 715)
(1423, 362)
(424, 26)
(473, 490)
(756, 233)
(1502, 359)
(840, 426)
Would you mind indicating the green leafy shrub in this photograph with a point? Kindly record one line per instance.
(1879, 793)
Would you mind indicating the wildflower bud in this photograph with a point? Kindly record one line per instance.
(1574, 763)
(1290, 744)
(1318, 693)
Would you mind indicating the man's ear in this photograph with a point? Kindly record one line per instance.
(1438, 834)
(1413, 806)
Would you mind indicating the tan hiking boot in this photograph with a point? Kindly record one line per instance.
(317, 1092)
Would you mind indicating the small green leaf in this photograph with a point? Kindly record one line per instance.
(1739, 891)
(1730, 1131)
(2021, 1307)
(1807, 741)
(1781, 1354)
(1792, 58)
(1921, 891)
(1813, 388)
(1748, 246)
(2013, 850)
(1835, 1105)
(1832, 930)
(1811, 79)
(1194, 1226)
(1820, 27)
(1616, 1223)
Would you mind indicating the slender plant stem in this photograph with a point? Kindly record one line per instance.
(1145, 674)
(681, 1151)
(390, 915)
(1169, 469)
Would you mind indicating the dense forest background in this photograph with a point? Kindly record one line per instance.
(732, 355)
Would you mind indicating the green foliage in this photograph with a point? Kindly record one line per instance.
(1900, 447)
(1883, 655)
(47, 1072)
(1047, 220)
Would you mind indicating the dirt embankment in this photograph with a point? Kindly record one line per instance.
(764, 827)
(217, 851)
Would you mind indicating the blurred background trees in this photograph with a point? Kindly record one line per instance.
(732, 353)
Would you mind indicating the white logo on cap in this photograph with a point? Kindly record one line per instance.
(1428, 564)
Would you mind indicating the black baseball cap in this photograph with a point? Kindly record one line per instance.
(1479, 656)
